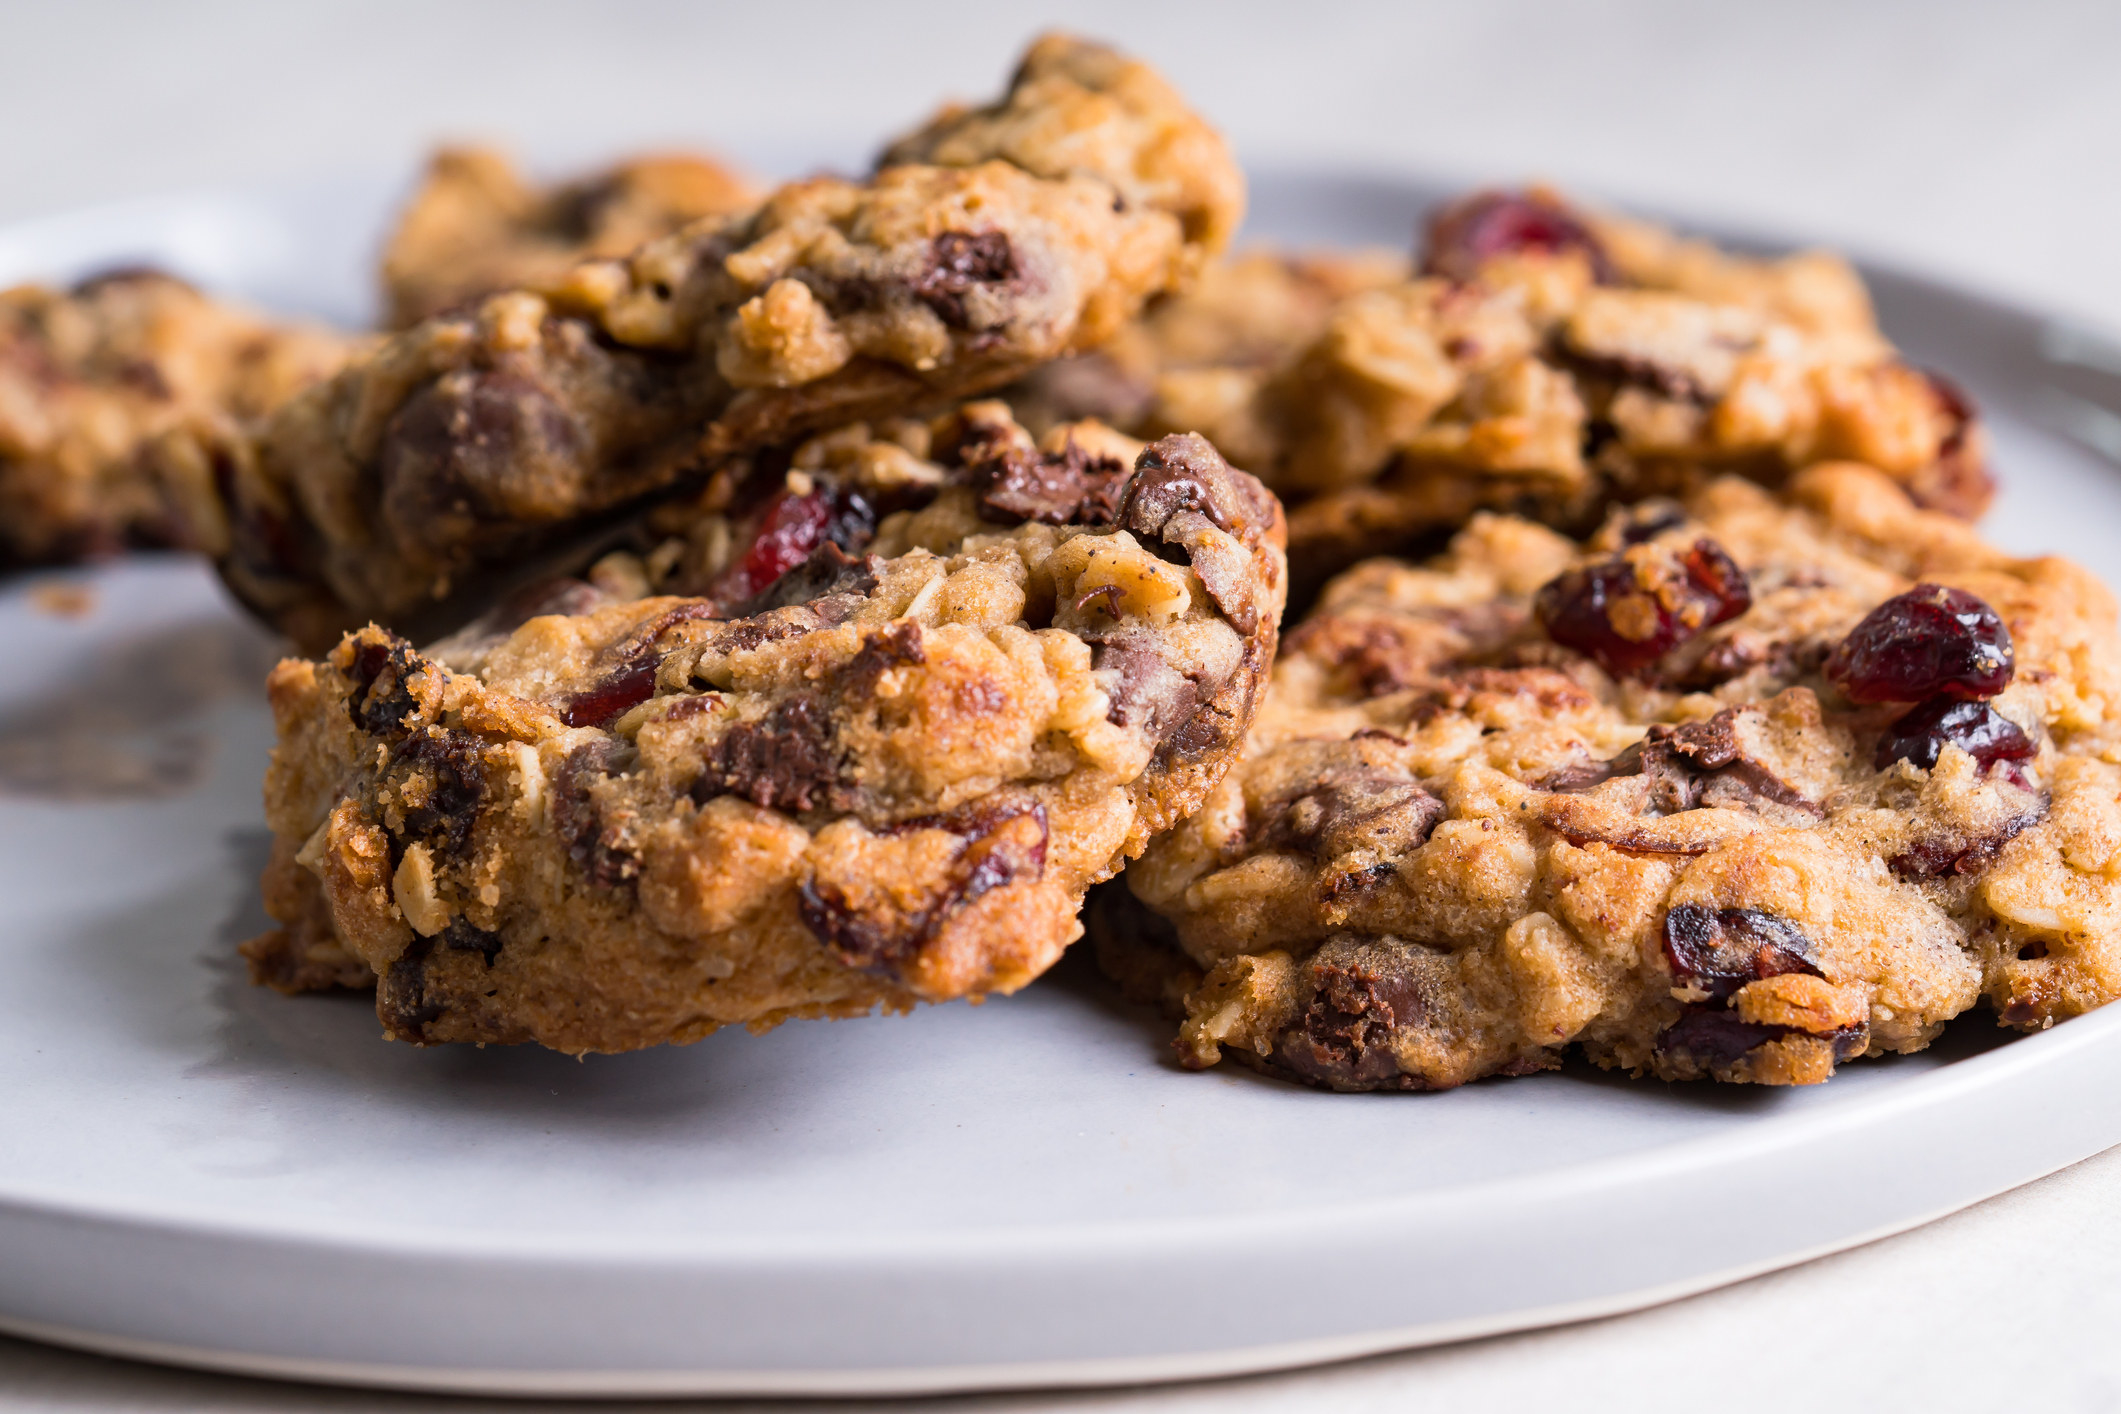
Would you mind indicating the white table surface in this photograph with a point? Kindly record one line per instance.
(1978, 142)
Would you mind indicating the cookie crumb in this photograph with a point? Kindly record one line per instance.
(63, 600)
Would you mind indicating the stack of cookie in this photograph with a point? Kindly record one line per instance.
(732, 606)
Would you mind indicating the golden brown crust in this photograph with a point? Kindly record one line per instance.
(1456, 846)
(470, 442)
(1547, 361)
(880, 779)
(1079, 108)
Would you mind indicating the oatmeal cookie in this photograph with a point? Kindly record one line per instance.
(1550, 361)
(1744, 787)
(93, 377)
(883, 776)
(474, 441)
(476, 227)
(1244, 316)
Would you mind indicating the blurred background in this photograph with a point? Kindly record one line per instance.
(1980, 141)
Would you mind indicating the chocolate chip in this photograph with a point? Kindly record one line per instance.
(380, 703)
(403, 1003)
(1719, 950)
(783, 761)
(466, 936)
(475, 442)
(1144, 690)
(1952, 851)
(1705, 764)
(895, 647)
(958, 263)
(1185, 473)
(439, 781)
(1356, 808)
(597, 846)
(1362, 994)
(1706, 1039)
(1069, 487)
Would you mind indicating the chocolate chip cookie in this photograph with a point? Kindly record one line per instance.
(1743, 787)
(92, 378)
(1244, 316)
(472, 443)
(1550, 360)
(475, 227)
(877, 764)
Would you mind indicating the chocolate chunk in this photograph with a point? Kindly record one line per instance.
(1714, 1038)
(1005, 842)
(1182, 487)
(1704, 763)
(957, 264)
(1706, 1039)
(1069, 487)
(1932, 856)
(380, 704)
(1719, 950)
(1144, 689)
(597, 846)
(1184, 473)
(1363, 993)
(783, 761)
(439, 784)
(466, 936)
(895, 647)
(480, 442)
(403, 1003)
(1357, 808)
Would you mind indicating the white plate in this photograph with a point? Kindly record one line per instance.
(1025, 1193)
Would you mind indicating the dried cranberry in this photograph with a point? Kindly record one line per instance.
(1477, 228)
(1976, 728)
(1630, 609)
(790, 527)
(1929, 642)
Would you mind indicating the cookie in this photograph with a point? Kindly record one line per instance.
(471, 444)
(1244, 316)
(1551, 360)
(93, 377)
(883, 776)
(475, 227)
(1744, 788)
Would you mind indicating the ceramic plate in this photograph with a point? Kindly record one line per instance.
(1023, 1193)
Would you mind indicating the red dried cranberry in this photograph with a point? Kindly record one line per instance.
(1929, 642)
(1630, 609)
(790, 527)
(1477, 228)
(1976, 728)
